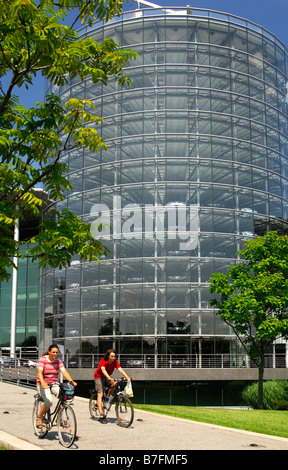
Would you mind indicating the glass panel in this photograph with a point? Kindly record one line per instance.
(89, 324)
(108, 324)
(131, 323)
(178, 322)
(148, 322)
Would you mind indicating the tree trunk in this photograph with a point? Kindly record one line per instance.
(260, 382)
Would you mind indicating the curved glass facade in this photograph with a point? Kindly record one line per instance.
(197, 163)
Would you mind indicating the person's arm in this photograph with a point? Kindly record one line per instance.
(122, 371)
(107, 375)
(41, 378)
(67, 376)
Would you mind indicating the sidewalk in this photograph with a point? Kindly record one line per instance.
(149, 432)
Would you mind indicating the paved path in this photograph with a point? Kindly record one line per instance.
(149, 432)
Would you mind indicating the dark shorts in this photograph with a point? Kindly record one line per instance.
(100, 384)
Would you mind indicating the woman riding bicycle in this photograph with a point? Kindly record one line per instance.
(103, 378)
(49, 366)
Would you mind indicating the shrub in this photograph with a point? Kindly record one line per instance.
(275, 395)
(250, 395)
(282, 405)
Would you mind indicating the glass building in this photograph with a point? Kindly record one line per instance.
(27, 282)
(196, 164)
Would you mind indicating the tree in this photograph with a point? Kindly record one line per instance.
(36, 39)
(253, 297)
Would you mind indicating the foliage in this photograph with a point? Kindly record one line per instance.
(36, 38)
(253, 296)
(59, 237)
(275, 395)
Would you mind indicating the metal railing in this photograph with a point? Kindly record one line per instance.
(160, 361)
(18, 370)
(201, 14)
(25, 370)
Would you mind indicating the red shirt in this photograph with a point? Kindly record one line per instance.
(109, 367)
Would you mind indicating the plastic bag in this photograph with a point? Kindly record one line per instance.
(128, 390)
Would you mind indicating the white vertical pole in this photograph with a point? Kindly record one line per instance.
(14, 296)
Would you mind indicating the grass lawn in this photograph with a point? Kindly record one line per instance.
(274, 423)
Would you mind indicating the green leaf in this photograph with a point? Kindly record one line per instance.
(252, 297)
(39, 38)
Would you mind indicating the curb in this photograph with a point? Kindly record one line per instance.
(15, 443)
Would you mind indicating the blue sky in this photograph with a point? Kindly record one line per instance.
(271, 14)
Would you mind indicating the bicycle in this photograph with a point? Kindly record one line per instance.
(123, 405)
(63, 415)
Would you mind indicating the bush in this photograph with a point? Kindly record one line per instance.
(282, 405)
(275, 395)
(250, 395)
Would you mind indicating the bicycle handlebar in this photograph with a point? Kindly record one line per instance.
(122, 379)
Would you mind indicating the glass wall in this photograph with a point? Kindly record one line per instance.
(27, 321)
(196, 164)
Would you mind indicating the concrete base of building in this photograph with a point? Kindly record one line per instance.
(186, 374)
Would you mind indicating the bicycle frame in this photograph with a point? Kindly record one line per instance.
(116, 394)
(52, 415)
(121, 401)
(63, 414)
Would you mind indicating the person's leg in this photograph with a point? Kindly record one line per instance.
(55, 390)
(99, 390)
(111, 390)
(47, 403)
(99, 402)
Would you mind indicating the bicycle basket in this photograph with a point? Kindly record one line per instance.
(67, 391)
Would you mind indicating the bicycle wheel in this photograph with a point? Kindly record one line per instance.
(93, 406)
(40, 432)
(67, 425)
(124, 412)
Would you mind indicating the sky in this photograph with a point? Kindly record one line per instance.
(271, 14)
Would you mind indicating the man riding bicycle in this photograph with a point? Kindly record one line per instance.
(103, 378)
